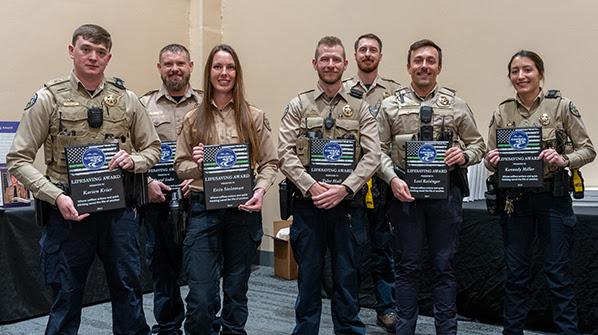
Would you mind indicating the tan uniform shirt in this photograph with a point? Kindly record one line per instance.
(380, 89)
(58, 118)
(226, 129)
(166, 113)
(357, 121)
(552, 114)
(399, 122)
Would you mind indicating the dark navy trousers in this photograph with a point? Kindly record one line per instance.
(164, 258)
(67, 251)
(343, 230)
(438, 222)
(218, 242)
(552, 220)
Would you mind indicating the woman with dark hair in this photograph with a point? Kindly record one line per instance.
(545, 212)
(222, 241)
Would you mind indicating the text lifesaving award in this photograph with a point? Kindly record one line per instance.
(426, 174)
(331, 161)
(227, 175)
(164, 169)
(92, 187)
(519, 164)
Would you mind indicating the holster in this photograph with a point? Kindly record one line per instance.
(561, 184)
(178, 207)
(459, 178)
(135, 189)
(41, 212)
(285, 198)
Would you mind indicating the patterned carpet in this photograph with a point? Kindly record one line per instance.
(271, 302)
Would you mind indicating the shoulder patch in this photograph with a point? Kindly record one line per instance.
(573, 109)
(31, 102)
(356, 93)
(267, 123)
(553, 94)
(119, 83)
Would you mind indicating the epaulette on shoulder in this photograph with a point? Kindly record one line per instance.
(356, 93)
(506, 101)
(389, 80)
(553, 94)
(198, 91)
(402, 90)
(346, 80)
(148, 93)
(447, 91)
(117, 82)
(306, 92)
(57, 81)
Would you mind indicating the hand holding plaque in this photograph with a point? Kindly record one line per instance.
(227, 175)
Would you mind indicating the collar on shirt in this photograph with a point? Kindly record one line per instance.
(427, 97)
(76, 83)
(377, 82)
(163, 92)
(319, 93)
(227, 106)
(537, 100)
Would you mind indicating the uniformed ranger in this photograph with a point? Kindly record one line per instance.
(373, 88)
(167, 107)
(323, 215)
(222, 241)
(547, 211)
(81, 109)
(402, 119)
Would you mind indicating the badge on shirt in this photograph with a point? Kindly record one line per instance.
(544, 119)
(574, 109)
(347, 111)
(443, 101)
(110, 100)
(31, 101)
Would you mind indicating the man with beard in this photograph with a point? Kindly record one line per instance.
(167, 108)
(326, 214)
(424, 111)
(374, 89)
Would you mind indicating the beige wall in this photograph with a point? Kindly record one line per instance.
(276, 40)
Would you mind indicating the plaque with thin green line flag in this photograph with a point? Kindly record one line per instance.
(520, 164)
(331, 161)
(227, 175)
(426, 174)
(92, 186)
